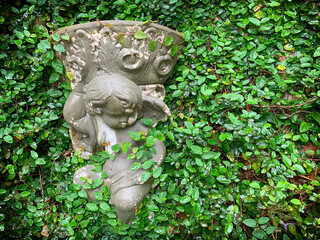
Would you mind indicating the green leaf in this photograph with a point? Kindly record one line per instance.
(197, 209)
(159, 136)
(140, 35)
(84, 223)
(56, 37)
(147, 121)
(92, 207)
(174, 50)
(187, 35)
(225, 135)
(299, 168)
(263, 220)
(168, 41)
(134, 135)
(228, 228)
(273, 4)
(115, 148)
(196, 149)
(97, 183)
(125, 146)
(112, 222)
(54, 77)
(34, 154)
(59, 48)
(135, 166)
(69, 228)
(105, 206)
(278, 28)
(157, 172)
(82, 193)
(260, 234)
(211, 155)
(32, 208)
(177, 93)
(270, 229)
(25, 194)
(98, 195)
(8, 139)
(65, 37)
(304, 137)
(199, 162)
(152, 45)
(44, 45)
(287, 161)
(145, 176)
(111, 215)
(255, 185)
(304, 127)
(250, 222)
(57, 65)
(185, 199)
(316, 116)
(223, 179)
(150, 141)
(234, 119)
(266, 27)
(148, 164)
(40, 161)
(195, 193)
(295, 201)
(255, 21)
(317, 52)
(170, 136)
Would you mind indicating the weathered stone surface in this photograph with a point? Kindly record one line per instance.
(117, 80)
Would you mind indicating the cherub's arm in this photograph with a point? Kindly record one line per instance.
(74, 112)
(158, 157)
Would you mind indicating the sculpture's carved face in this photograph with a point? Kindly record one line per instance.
(115, 115)
(115, 99)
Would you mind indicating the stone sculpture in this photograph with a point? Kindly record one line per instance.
(117, 70)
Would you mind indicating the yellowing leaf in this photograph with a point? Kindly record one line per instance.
(107, 25)
(258, 14)
(257, 8)
(244, 157)
(280, 67)
(288, 47)
(70, 76)
(121, 39)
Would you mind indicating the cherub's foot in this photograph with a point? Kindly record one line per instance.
(127, 201)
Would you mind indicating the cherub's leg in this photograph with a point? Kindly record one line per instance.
(127, 201)
(87, 173)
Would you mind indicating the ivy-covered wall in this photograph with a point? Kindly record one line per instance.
(242, 142)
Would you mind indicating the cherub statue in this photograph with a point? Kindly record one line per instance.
(116, 71)
(109, 107)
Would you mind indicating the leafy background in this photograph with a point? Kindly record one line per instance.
(242, 142)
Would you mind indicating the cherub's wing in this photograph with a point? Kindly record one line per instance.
(155, 109)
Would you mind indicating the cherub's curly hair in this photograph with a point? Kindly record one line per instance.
(102, 88)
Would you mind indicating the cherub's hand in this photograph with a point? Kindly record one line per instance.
(134, 176)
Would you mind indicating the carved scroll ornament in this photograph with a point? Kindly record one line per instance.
(117, 79)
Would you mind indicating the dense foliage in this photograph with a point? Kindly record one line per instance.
(242, 142)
